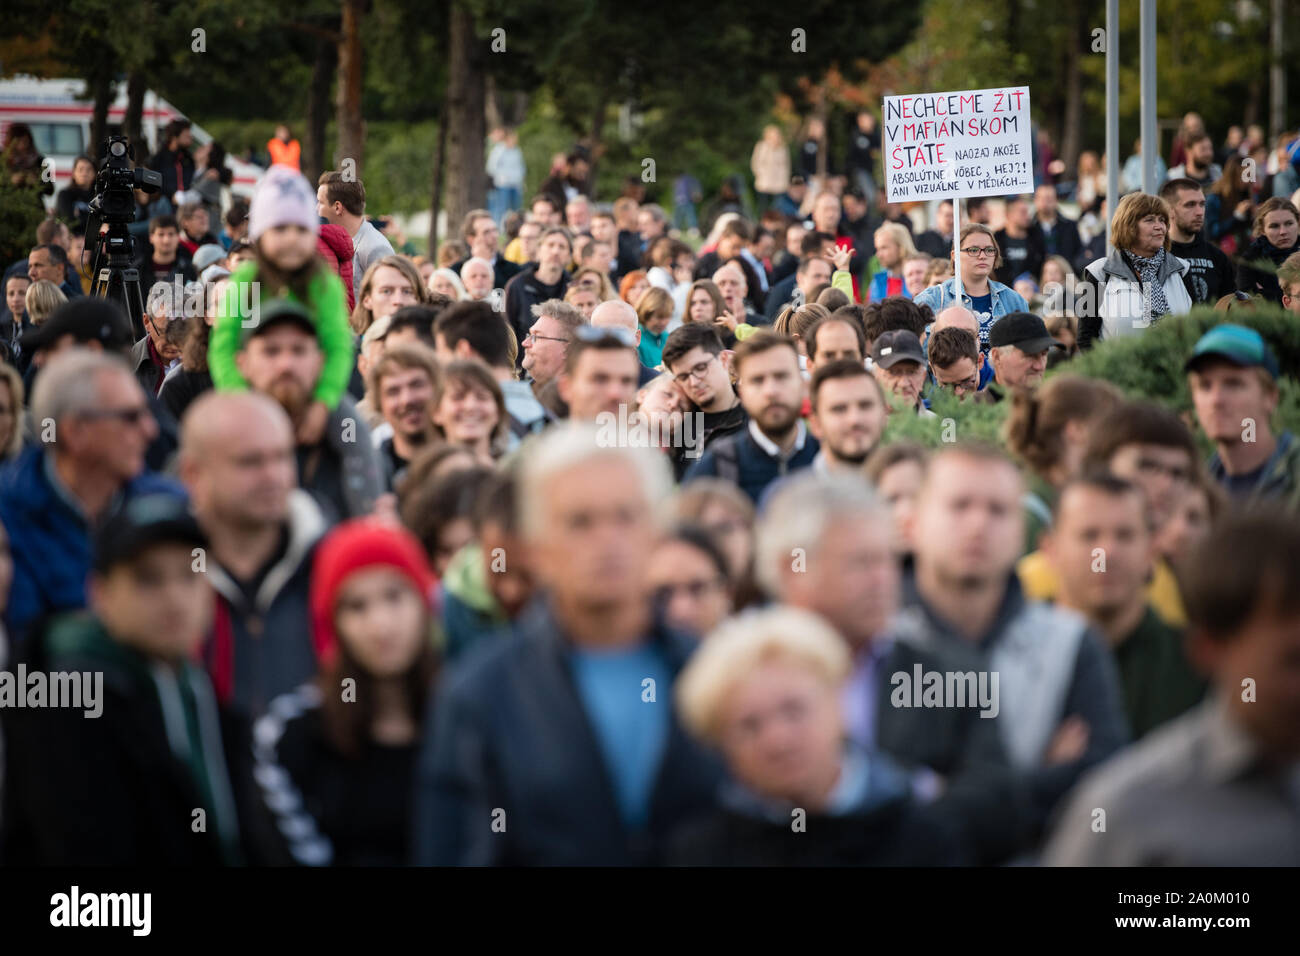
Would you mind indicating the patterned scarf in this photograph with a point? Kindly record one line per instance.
(1148, 270)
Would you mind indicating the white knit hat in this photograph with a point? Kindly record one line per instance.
(283, 197)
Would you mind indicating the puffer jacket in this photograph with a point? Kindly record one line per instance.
(335, 245)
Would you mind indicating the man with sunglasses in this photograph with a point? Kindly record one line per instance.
(95, 427)
(97, 325)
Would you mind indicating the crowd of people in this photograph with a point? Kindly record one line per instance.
(576, 544)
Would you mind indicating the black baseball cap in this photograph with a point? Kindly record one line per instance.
(1024, 330)
(898, 345)
(142, 522)
(272, 312)
(86, 319)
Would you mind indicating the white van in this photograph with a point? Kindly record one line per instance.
(60, 119)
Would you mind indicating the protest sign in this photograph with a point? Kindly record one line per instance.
(967, 143)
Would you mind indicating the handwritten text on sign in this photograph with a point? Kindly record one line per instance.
(971, 143)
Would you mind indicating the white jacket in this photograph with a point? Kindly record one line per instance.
(1119, 297)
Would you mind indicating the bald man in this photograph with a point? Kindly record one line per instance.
(958, 316)
(237, 461)
(617, 314)
(730, 280)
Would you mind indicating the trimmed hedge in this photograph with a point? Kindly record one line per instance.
(1149, 365)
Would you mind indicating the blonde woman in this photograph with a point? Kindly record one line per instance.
(766, 690)
(43, 297)
(893, 247)
(446, 282)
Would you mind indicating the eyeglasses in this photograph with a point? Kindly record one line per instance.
(696, 371)
(597, 333)
(965, 385)
(534, 337)
(127, 416)
(981, 252)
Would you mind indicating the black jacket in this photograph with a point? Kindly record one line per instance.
(331, 809)
(981, 793)
(1061, 240)
(260, 646)
(1033, 261)
(522, 293)
(629, 253)
(181, 387)
(896, 832)
(510, 733)
(176, 168)
(932, 243)
(1257, 268)
(111, 790)
(779, 296)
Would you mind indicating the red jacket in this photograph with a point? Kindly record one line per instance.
(336, 246)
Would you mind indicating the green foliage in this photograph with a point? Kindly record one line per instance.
(954, 421)
(21, 212)
(1149, 365)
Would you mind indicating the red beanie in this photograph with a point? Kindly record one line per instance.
(355, 546)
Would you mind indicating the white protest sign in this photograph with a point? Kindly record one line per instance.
(967, 143)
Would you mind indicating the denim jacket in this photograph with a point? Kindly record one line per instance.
(1005, 300)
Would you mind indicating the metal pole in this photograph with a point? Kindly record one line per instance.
(1150, 136)
(1277, 76)
(1112, 113)
(956, 244)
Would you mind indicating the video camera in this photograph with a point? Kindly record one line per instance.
(112, 210)
(116, 182)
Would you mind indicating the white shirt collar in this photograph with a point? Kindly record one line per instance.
(770, 447)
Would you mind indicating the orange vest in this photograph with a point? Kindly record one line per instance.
(284, 154)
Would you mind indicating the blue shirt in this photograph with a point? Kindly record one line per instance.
(631, 730)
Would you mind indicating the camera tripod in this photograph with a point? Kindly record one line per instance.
(116, 276)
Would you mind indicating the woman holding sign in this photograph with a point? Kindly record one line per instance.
(988, 299)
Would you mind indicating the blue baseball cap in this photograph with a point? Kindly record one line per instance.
(1236, 344)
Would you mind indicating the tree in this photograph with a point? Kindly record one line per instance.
(465, 119)
(351, 126)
